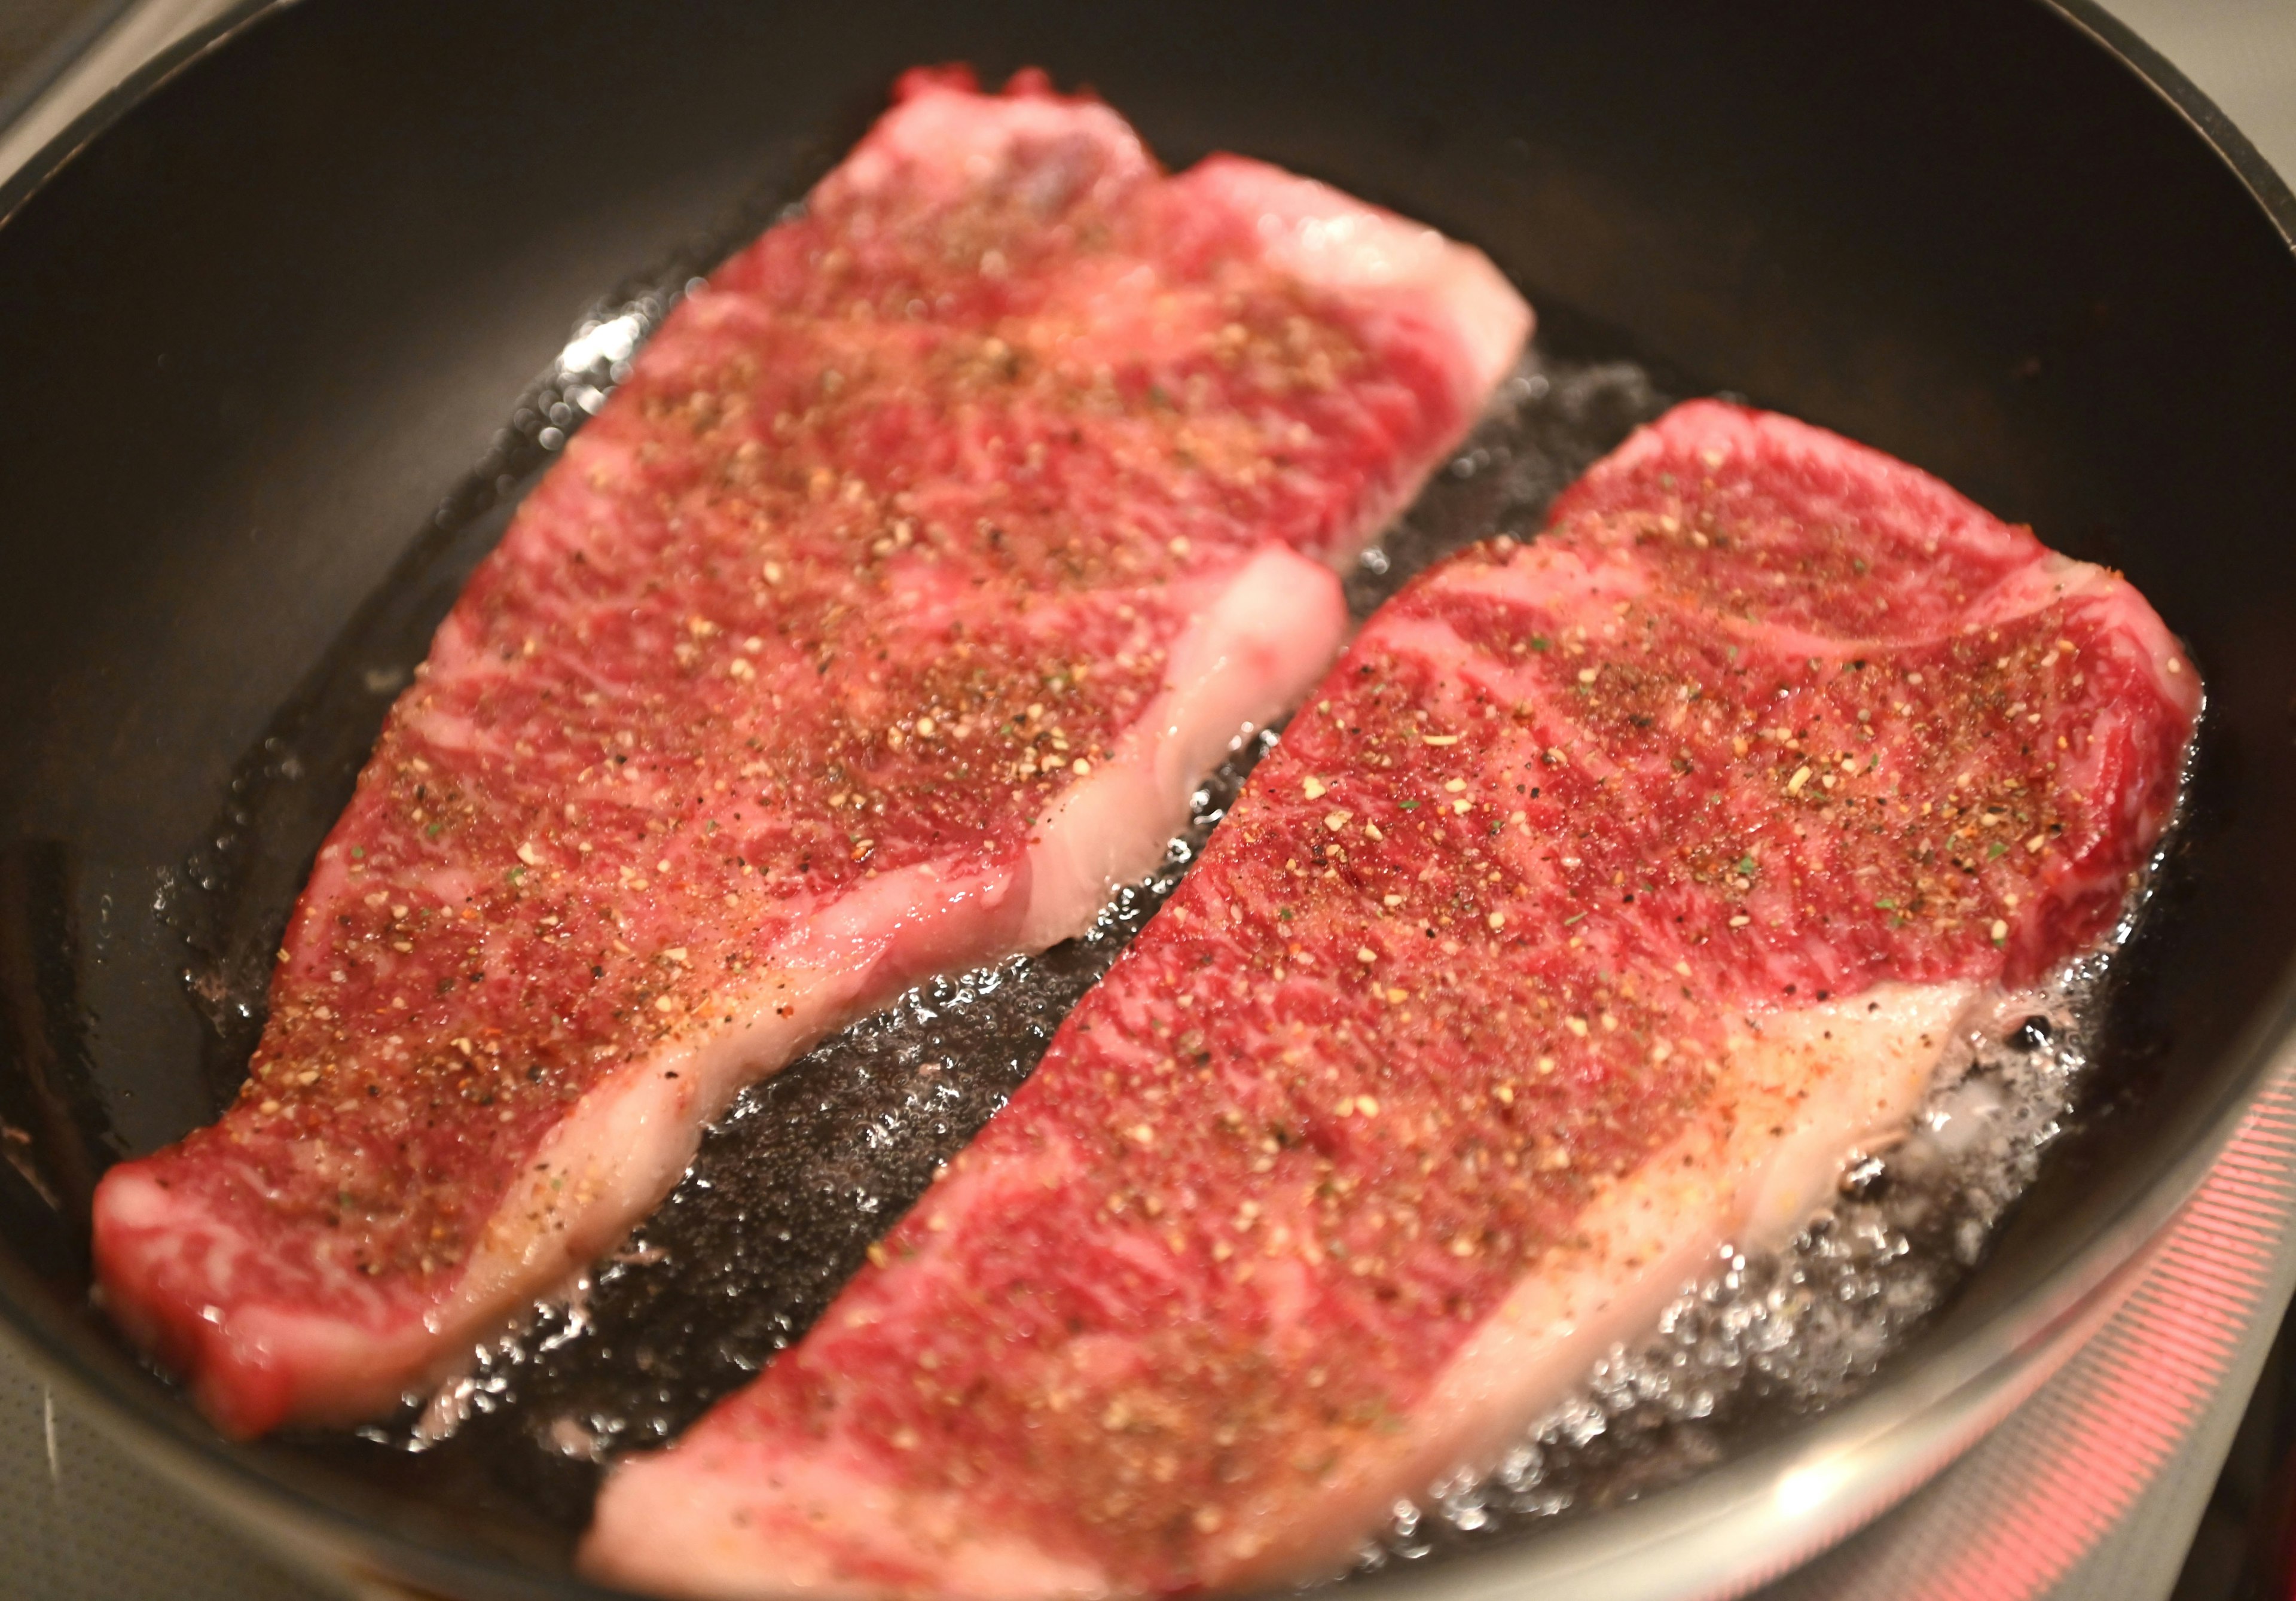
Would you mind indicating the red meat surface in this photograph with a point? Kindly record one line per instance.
(880, 623)
(1606, 893)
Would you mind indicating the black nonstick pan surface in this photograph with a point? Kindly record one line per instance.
(265, 314)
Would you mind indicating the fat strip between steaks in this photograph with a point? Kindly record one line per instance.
(1610, 890)
(881, 623)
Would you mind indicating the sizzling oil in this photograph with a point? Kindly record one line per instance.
(1771, 1337)
(810, 1168)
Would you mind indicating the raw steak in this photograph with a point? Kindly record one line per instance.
(1610, 889)
(882, 623)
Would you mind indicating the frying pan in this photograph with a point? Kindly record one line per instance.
(262, 310)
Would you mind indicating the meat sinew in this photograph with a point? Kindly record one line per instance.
(883, 619)
(1608, 890)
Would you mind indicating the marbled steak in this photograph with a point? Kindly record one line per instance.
(1604, 894)
(882, 621)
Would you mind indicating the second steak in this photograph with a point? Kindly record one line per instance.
(1607, 892)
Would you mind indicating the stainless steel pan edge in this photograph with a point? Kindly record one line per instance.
(120, 67)
(2259, 176)
(1728, 1531)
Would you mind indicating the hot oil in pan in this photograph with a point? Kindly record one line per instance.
(1773, 1336)
(808, 1169)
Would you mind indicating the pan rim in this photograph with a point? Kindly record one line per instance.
(1965, 1386)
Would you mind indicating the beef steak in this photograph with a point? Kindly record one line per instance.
(1608, 891)
(879, 624)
